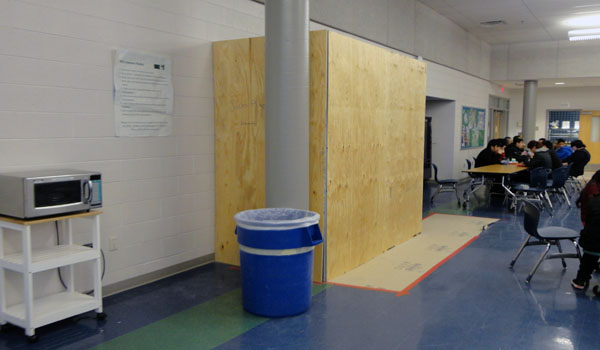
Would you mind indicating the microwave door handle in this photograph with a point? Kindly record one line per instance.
(90, 187)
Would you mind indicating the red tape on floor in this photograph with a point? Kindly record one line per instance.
(406, 290)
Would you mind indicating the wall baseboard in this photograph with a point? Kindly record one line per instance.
(155, 275)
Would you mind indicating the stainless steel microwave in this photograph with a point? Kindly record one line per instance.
(32, 194)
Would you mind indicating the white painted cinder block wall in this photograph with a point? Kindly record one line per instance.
(56, 111)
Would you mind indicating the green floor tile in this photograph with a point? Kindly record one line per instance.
(201, 327)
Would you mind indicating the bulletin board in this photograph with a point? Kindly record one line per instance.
(472, 127)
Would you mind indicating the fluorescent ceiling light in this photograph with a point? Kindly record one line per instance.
(584, 31)
(559, 83)
(581, 6)
(584, 34)
(585, 21)
(584, 37)
(586, 12)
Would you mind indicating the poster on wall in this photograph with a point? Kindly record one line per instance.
(142, 94)
(472, 128)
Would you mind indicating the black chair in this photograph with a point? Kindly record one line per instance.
(444, 185)
(477, 181)
(535, 189)
(557, 184)
(548, 236)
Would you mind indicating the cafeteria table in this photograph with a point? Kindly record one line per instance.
(479, 174)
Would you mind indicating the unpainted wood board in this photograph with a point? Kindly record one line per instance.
(585, 134)
(239, 138)
(27, 222)
(399, 267)
(375, 128)
(317, 132)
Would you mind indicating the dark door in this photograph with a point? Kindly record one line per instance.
(427, 162)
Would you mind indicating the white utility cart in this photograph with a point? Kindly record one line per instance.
(34, 313)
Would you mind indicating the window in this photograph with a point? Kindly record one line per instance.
(563, 125)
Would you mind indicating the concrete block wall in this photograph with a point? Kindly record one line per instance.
(465, 90)
(409, 26)
(545, 59)
(56, 111)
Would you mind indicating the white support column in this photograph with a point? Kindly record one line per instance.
(529, 108)
(287, 103)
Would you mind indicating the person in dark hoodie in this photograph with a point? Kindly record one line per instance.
(556, 162)
(491, 154)
(579, 158)
(591, 190)
(590, 236)
(541, 156)
(516, 150)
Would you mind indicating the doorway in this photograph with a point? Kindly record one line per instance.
(499, 122)
(442, 113)
(498, 107)
(589, 133)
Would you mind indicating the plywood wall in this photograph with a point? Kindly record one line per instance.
(239, 137)
(375, 128)
(367, 108)
(317, 138)
(239, 70)
(585, 134)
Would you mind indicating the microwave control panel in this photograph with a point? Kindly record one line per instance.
(96, 191)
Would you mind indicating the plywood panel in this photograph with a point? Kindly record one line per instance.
(375, 127)
(239, 137)
(317, 138)
(585, 133)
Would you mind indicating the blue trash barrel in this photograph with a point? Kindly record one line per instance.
(276, 256)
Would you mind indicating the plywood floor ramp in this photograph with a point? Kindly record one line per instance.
(402, 267)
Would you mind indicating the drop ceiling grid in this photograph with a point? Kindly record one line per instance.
(527, 20)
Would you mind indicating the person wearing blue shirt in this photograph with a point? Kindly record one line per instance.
(562, 150)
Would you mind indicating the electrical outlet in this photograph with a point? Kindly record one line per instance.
(112, 243)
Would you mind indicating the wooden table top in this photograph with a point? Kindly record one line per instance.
(49, 219)
(496, 169)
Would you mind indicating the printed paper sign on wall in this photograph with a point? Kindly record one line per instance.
(472, 128)
(143, 94)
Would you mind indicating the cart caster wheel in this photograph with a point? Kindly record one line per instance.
(32, 338)
(596, 291)
(100, 316)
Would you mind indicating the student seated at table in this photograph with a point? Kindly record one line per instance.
(540, 159)
(579, 158)
(491, 154)
(516, 150)
(563, 151)
(541, 156)
(556, 161)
